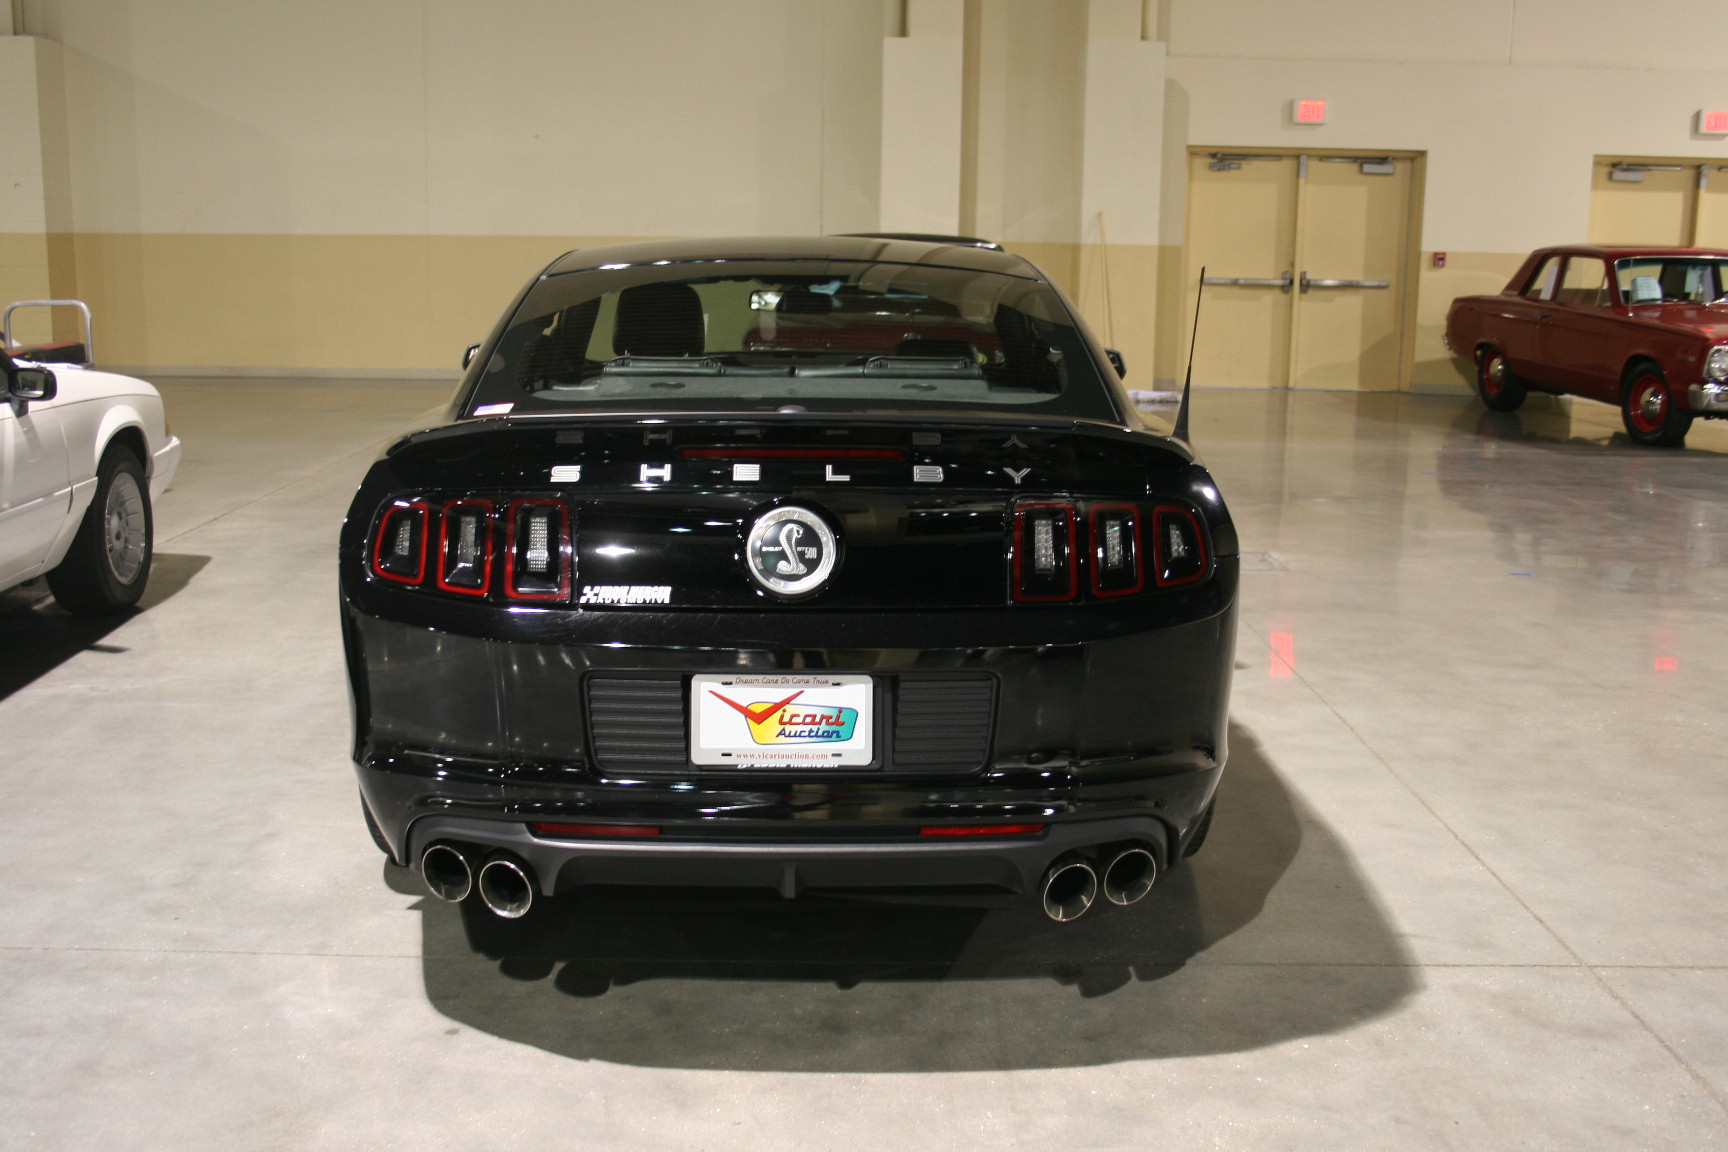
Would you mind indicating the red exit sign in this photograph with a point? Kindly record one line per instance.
(1713, 122)
(1314, 112)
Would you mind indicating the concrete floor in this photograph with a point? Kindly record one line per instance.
(1465, 889)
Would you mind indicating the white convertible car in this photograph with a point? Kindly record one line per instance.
(82, 456)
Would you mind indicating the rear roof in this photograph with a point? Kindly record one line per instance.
(1619, 251)
(860, 248)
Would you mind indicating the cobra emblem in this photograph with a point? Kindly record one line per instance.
(790, 551)
(791, 565)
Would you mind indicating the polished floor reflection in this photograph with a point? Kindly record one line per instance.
(1464, 890)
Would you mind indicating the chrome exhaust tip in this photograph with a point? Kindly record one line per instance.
(1129, 875)
(1070, 887)
(507, 887)
(446, 873)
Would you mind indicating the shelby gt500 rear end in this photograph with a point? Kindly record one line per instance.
(826, 564)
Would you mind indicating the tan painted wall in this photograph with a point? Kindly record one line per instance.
(330, 184)
(1682, 34)
(261, 303)
(34, 179)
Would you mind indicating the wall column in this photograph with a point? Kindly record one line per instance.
(35, 201)
(921, 125)
(1120, 174)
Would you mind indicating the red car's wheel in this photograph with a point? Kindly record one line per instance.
(1499, 389)
(1648, 410)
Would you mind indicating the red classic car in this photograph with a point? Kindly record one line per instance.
(1643, 328)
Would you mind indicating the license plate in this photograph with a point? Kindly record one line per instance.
(771, 721)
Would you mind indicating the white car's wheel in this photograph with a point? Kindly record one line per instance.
(108, 564)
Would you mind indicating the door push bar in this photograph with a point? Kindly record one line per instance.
(1282, 283)
(1310, 282)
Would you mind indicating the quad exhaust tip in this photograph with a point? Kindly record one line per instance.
(507, 887)
(446, 873)
(1070, 887)
(1129, 875)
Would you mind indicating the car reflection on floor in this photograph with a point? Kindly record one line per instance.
(1661, 523)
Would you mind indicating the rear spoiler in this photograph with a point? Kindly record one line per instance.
(927, 238)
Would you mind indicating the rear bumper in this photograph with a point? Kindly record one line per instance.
(1014, 865)
(1111, 733)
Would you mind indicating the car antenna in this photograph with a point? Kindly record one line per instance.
(1181, 429)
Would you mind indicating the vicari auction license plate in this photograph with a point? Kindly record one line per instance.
(773, 721)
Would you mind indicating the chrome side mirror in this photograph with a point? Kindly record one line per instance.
(1117, 362)
(468, 356)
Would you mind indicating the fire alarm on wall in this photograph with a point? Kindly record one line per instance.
(1307, 111)
(1439, 259)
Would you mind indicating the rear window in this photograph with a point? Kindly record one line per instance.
(1671, 279)
(755, 336)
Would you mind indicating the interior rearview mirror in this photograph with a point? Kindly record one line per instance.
(1117, 362)
(468, 356)
(30, 384)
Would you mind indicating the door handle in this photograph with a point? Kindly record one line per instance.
(1282, 283)
(1314, 282)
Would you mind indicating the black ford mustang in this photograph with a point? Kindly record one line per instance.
(811, 564)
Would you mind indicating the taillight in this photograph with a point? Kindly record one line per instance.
(399, 552)
(1117, 568)
(537, 550)
(1178, 545)
(465, 547)
(1044, 545)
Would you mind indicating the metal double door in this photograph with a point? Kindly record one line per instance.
(1307, 258)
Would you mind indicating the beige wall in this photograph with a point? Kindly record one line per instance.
(35, 262)
(336, 185)
(279, 186)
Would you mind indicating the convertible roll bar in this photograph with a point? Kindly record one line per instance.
(6, 322)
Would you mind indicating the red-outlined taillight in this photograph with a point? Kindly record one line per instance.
(537, 549)
(1178, 547)
(402, 529)
(1117, 550)
(465, 562)
(1045, 564)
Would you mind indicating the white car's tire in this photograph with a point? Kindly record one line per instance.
(108, 564)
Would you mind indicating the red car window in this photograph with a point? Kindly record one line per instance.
(1541, 286)
(1584, 283)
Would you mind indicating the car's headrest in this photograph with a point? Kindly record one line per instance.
(659, 320)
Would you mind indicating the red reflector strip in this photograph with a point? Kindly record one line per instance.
(596, 830)
(981, 829)
(792, 453)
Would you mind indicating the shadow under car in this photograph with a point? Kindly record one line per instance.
(745, 980)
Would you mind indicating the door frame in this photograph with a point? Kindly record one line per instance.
(1701, 167)
(1405, 292)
